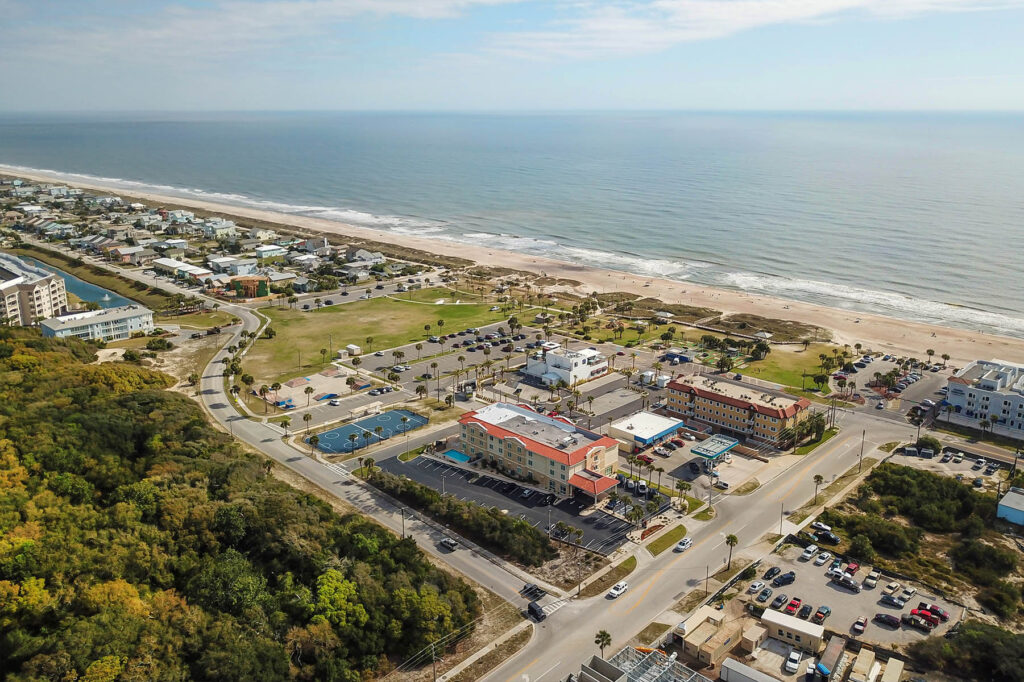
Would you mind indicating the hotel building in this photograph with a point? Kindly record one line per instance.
(111, 324)
(555, 364)
(750, 413)
(561, 457)
(992, 390)
(28, 293)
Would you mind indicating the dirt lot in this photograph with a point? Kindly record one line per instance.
(814, 588)
(952, 469)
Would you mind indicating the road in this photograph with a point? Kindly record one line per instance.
(566, 637)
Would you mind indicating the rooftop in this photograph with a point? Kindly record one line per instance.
(992, 375)
(12, 267)
(646, 425)
(105, 315)
(1014, 499)
(740, 394)
(714, 446)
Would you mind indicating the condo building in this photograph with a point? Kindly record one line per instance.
(29, 293)
(990, 390)
(111, 324)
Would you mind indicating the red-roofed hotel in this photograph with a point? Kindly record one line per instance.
(749, 412)
(561, 457)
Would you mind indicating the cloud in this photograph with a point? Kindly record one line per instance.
(634, 26)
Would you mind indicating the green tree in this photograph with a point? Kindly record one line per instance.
(732, 541)
(603, 640)
(309, 391)
(818, 480)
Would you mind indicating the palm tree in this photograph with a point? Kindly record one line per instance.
(633, 356)
(818, 480)
(378, 430)
(352, 445)
(193, 378)
(440, 325)
(275, 387)
(806, 343)
(307, 418)
(286, 422)
(945, 358)
(660, 472)
(369, 342)
(368, 463)
(419, 351)
(421, 391)
(929, 353)
(732, 541)
(683, 487)
(984, 424)
(323, 356)
(309, 393)
(264, 390)
(462, 362)
(314, 440)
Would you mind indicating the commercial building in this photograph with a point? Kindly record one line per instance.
(734, 671)
(557, 455)
(1011, 507)
(793, 631)
(29, 293)
(748, 412)
(569, 367)
(182, 269)
(630, 664)
(642, 430)
(990, 390)
(111, 324)
(707, 636)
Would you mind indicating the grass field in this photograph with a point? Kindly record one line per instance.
(301, 335)
(201, 320)
(786, 364)
(610, 578)
(671, 537)
(811, 447)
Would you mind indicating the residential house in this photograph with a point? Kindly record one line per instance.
(270, 251)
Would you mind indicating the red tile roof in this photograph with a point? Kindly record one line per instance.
(592, 482)
(781, 413)
(567, 457)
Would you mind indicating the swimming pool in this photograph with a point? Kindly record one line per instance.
(456, 456)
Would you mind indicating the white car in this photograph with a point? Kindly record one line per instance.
(809, 552)
(818, 525)
(793, 662)
(822, 558)
(618, 589)
(684, 544)
(334, 402)
(755, 586)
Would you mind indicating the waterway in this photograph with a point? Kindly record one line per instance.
(84, 290)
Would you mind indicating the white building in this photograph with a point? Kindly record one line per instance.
(643, 429)
(991, 390)
(29, 293)
(270, 251)
(569, 366)
(112, 324)
(219, 228)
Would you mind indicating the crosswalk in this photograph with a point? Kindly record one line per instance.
(339, 469)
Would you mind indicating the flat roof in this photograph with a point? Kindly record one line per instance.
(714, 446)
(779, 619)
(646, 425)
(740, 394)
(105, 315)
(1014, 499)
(746, 671)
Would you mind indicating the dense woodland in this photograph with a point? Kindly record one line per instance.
(137, 543)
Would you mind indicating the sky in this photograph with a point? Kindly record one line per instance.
(170, 55)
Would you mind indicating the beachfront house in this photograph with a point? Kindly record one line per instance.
(262, 234)
(570, 367)
(354, 254)
(218, 228)
(991, 391)
(270, 251)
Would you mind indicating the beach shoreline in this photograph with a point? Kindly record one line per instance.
(874, 331)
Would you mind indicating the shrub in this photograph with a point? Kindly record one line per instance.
(982, 563)
(749, 573)
(977, 651)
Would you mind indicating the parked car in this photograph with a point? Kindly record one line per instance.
(872, 579)
(887, 619)
(828, 537)
(916, 622)
(772, 572)
(779, 601)
(908, 593)
(721, 485)
(892, 588)
(822, 558)
(765, 595)
(793, 606)
(755, 586)
(852, 567)
(809, 552)
(821, 614)
(926, 615)
(785, 579)
(641, 488)
(940, 613)
(891, 600)
(793, 661)
(618, 589)
(818, 525)
(860, 624)
(805, 611)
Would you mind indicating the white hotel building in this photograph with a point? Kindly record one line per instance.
(111, 324)
(569, 366)
(28, 293)
(992, 390)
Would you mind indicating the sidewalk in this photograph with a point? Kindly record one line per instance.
(484, 650)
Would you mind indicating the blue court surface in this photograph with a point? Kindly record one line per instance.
(365, 431)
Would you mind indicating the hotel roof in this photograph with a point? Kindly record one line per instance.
(739, 394)
(549, 437)
(592, 482)
(105, 315)
(12, 267)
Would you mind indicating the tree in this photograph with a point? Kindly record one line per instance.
(419, 350)
(732, 541)
(462, 362)
(307, 418)
(603, 640)
(352, 444)
(945, 358)
(369, 342)
(440, 325)
(264, 390)
(930, 353)
(682, 487)
(421, 391)
(193, 378)
(818, 480)
(269, 332)
(314, 440)
(309, 394)
(724, 363)
(805, 343)
(286, 421)
(323, 356)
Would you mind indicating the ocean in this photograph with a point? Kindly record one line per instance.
(917, 216)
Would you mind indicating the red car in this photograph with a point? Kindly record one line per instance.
(793, 606)
(679, 442)
(646, 459)
(927, 616)
(852, 567)
(935, 610)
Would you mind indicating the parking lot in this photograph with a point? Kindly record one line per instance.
(602, 532)
(814, 588)
(968, 469)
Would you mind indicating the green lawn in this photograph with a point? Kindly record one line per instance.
(201, 320)
(670, 538)
(610, 578)
(810, 447)
(301, 335)
(785, 364)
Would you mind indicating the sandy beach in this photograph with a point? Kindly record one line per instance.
(875, 332)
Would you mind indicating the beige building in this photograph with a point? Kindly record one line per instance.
(793, 631)
(29, 293)
(708, 635)
(559, 456)
(747, 412)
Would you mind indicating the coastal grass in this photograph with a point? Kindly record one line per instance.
(786, 365)
(811, 447)
(604, 583)
(827, 493)
(204, 319)
(150, 297)
(651, 634)
(301, 335)
(667, 539)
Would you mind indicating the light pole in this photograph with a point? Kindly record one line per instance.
(782, 512)
(403, 523)
(860, 460)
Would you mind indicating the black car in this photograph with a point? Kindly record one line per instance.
(887, 619)
(329, 302)
(379, 286)
(827, 537)
(784, 579)
(805, 611)
(772, 572)
(779, 601)
(694, 468)
(344, 293)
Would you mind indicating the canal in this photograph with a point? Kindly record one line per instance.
(84, 290)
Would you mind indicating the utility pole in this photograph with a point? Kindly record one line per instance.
(403, 523)
(707, 578)
(860, 460)
(782, 511)
(1016, 455)
(433, 661)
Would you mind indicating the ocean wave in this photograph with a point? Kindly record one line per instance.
(872, 300)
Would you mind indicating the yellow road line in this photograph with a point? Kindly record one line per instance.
(799, 478)
(526, 667)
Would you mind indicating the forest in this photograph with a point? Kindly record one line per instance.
(138, 543)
